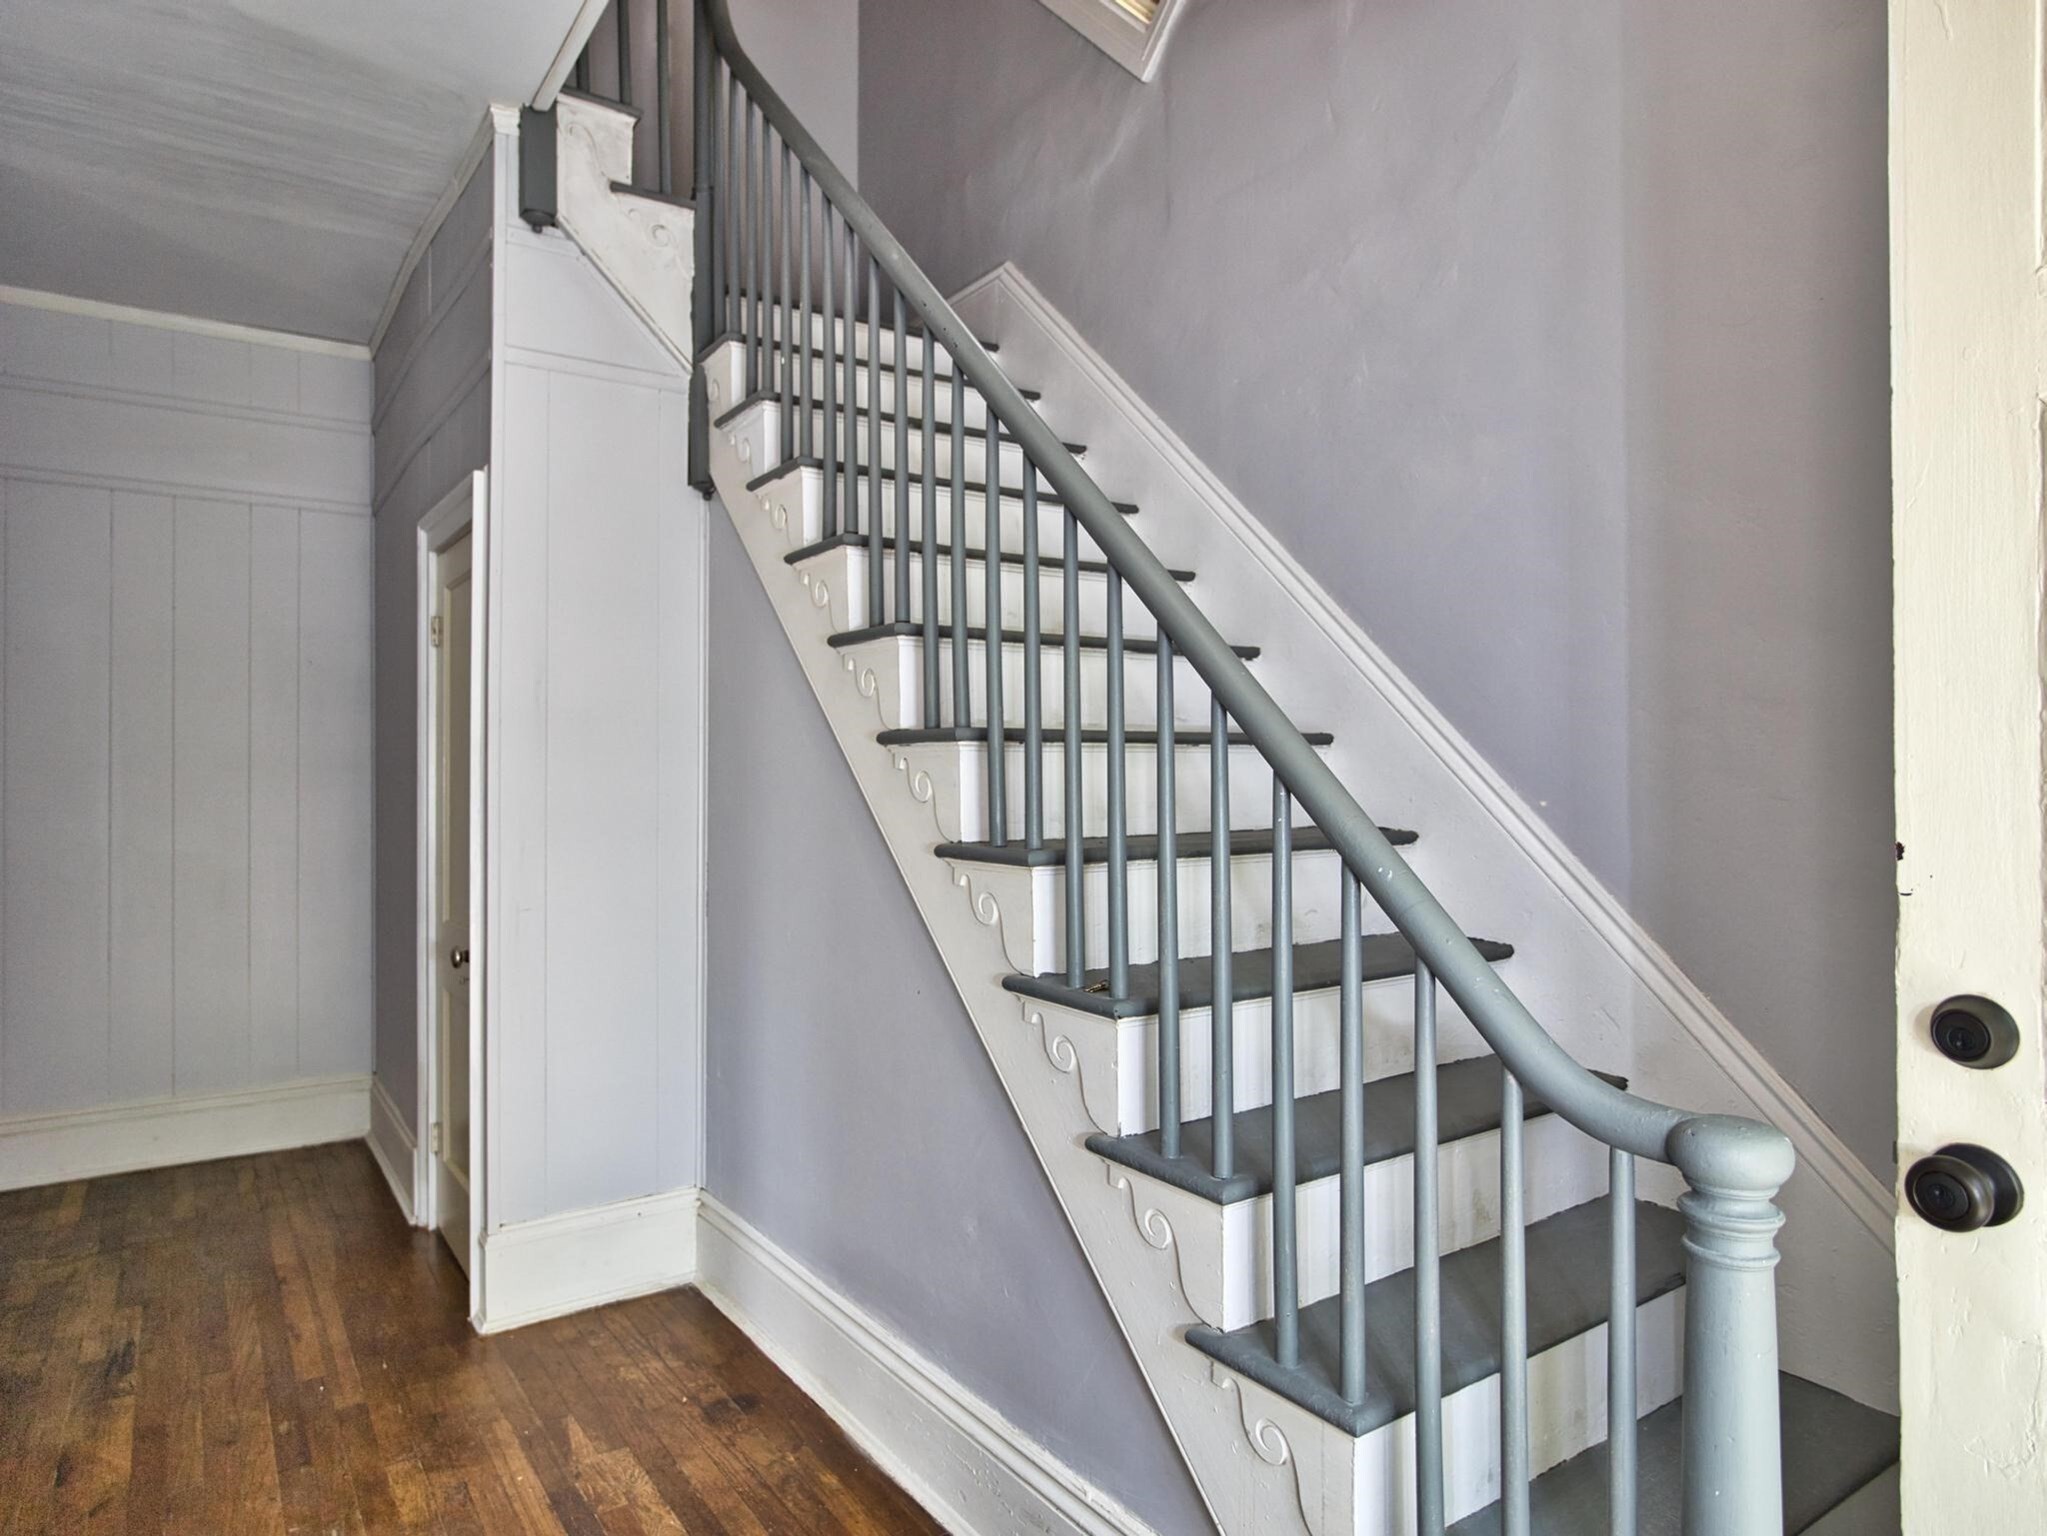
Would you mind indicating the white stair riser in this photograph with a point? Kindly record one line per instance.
(973, 456)
(843, 569)
(898, 665)
(801, 492)
(863, 334)
(1566, 1415)
(954, 775)
(1226, 1251)
(1033, 904)
(1116, 1060)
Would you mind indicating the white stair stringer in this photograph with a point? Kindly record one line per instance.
(1264, 1465)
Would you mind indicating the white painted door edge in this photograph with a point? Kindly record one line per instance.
(972, 1469)
(1868, 1197)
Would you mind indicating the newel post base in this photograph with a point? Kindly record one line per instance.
(1733, 1457)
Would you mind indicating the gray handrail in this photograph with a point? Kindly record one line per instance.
(1598, 1108)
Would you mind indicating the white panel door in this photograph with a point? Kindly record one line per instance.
(452, 615)
(1969, 364)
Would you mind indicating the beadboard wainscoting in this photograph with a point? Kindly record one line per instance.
(185, 781)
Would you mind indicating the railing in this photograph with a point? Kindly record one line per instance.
(778, 226)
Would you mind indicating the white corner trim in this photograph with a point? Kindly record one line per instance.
(391, 1144)
(1819, 1148)
(163, 320)
(161, 1133)
(573, 44)
(1138, 47)
(479, 144)
(554, 1265)
(974, 1471)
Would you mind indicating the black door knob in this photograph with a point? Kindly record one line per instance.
(1963, 1187)
(1975, 1032)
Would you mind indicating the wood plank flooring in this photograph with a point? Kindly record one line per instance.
(263, 1345)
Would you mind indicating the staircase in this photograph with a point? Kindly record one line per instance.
(1376, 1241)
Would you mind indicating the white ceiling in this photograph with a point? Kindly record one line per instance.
(260, 161)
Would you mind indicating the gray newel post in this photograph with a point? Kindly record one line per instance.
(1733, 1471)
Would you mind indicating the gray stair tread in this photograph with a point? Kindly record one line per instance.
(1133, 645)
(652, 194)
(1833, 1447)
(1244, 841)
(1090, 736)
(1567, 1296)
(775, 394)
(1049, 564)
(1317, 967)
(1467, 1104)
(941, 429)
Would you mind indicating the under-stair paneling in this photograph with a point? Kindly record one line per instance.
(173, 729)
(595, 753)
(432, 429)
(859, 1123)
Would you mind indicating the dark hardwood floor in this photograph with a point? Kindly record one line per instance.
(263, 1345)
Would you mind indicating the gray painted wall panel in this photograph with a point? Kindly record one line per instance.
(1552, 338)
(160, 779)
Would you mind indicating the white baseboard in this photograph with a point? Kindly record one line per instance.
(974, 1471)
(161, 1133)
(392, 1145)
(549, 1267)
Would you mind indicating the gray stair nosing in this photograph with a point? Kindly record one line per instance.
(759, 396)
(1055, 735)
(967, 488)
(1049, 565)
(1245, 842)
(907, 629)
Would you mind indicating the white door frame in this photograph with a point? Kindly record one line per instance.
(1969, 402)
(467, 506)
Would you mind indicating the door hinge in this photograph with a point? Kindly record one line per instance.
(434, 1139)
(433, 631)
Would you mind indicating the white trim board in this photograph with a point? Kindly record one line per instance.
(1836, 1204)
(573, 44)
(391, 1144)
(549, 1267)
(1138, 46)
(479, 144)
(972, 1469)
(163, 320)
(163, 1133)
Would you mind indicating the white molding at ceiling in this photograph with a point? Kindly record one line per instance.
(493, 123)
(578, 38)
(1137, 47)
(1819, 1147)
(951, 1451)
(163, 320)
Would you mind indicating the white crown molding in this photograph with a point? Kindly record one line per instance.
(970, 1467)
(487, 131)
(163, 320)
(162, 1133)
(555, 1265)
(392, 1145)
(1819, 1147)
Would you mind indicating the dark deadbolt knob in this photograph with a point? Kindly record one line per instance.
(1975, 1032)
(1963, 1187)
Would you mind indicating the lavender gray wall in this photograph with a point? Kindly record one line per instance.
(854, 1117)
(1553, 338)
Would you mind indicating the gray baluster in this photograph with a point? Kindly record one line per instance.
(1733, 1482)
(622, 18)
(1118, 776)
(719, 200)
(805, 407)
(1351, 1186)
(748, 218)
(1620, 1347)
(1169, 911)
(1286, 1282)
(1223, 1003)
(902, 540)
(830, 465)
(962, 695)
(1076, 825)
(664, 138)
(1513, 1315)
(1428, 1293)
(991, 564)
(929, 531)
(877, 593)
(850, 372)
(735, 208)
(1034, 660)
(785, 362)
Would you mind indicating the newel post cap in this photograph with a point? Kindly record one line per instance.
(1727, 1152)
